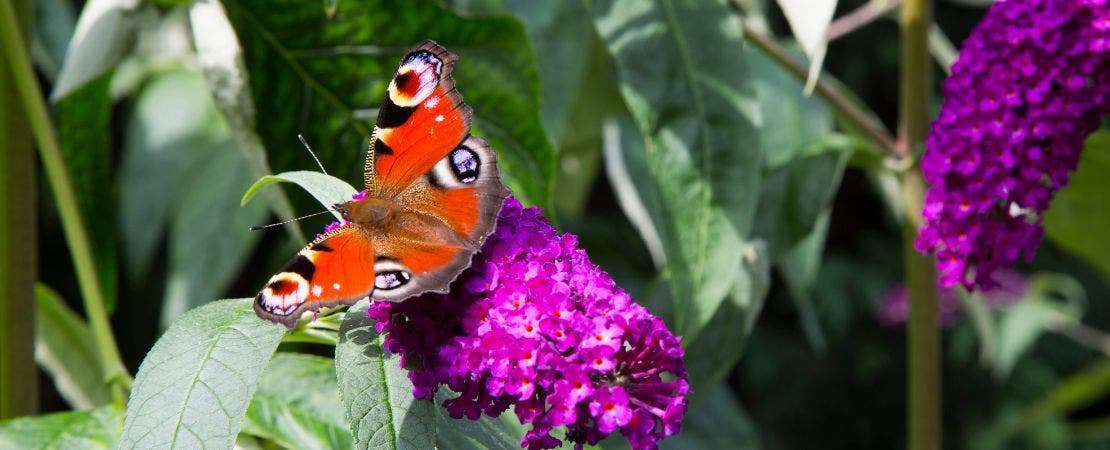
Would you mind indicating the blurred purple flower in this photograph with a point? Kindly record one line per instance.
(894, 308)
(1031, 82)
(534, 325)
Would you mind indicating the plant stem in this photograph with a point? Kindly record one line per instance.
(72, 225)
(827, 87)
(924, 335)
(17, 253)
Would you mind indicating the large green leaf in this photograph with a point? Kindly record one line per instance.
(1078, 216)
(170, 122)
(376, 392)
(210, 239)
(84, 131)
(697, 112)
(795, 194)
(95, 429)
(297, 404)
(711, 356)
(54, 23)
(64, 348)
(324, 77)
(195, 384)
(792, 121)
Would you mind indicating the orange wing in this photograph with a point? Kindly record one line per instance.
(420, 121)
(445, 179)
(334, 269)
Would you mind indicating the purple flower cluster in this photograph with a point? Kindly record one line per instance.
(1031, 82)
(894, 307)
(534, 325)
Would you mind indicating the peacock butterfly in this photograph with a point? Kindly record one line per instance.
(433, 192)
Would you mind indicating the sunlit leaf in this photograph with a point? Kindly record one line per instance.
(297, 404)
(326, 189)
(376, 392)
(95, 429)
(195, 384)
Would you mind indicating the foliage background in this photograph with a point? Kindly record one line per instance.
(754, 219)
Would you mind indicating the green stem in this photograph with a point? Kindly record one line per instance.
(18, 253)
(72, 225)
(924, 335)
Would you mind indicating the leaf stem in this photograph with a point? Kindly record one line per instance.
(827, 88)
(924, 335)
(75, 233)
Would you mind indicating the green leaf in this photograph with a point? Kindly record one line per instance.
(101, 38)
(326, 78)
(486, 433)
(1078, 216)
(697, 113)
(84, 119)
(95, 429)
(210, 240)
(195, 384)
(795, 194)
(799, 268)
(792, 121)
(376, 392)
(711, 356)
(326, 189)
(717, 422)
(64, 349)
(576, 93)
(220, 58)
(172, 121)
(297, 404)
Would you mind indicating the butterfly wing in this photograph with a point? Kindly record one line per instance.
(330, 271)
(445, 179)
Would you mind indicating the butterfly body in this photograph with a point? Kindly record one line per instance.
(432, 194)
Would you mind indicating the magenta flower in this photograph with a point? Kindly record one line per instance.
(534, 325)
(1031, 83)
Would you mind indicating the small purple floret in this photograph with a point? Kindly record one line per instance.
(535, 326)
(1030, 84)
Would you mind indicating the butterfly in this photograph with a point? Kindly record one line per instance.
(433, 192)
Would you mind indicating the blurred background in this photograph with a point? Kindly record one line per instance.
(791, 314)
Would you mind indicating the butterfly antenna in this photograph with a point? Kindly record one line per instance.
(263, 227)
(306, 147)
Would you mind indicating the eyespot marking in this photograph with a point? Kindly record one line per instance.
(391, 280)
(464, 163)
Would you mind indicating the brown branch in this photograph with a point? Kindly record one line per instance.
(860, 17)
